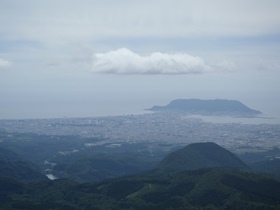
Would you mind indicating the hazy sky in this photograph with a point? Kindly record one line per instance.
(102, 57)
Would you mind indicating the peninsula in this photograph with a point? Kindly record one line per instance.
(213, 107)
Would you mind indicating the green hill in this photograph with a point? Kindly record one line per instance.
(199, 176)
(267, 166)
(263, 162)
(196, 190)
(99, 167)
(198, 156)
(11, 165)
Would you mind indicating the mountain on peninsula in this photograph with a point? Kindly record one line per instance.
(200, 155)
(217, 106)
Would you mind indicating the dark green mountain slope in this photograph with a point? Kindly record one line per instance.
(177, 186)
(100, 167)
(200, 155)
(200, 189)
(267, 166)
(217, 106)
(11, 165)
(263, 162)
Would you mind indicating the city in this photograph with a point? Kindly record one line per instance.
(177, 129)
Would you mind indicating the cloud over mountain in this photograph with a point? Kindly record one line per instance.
(124, 61)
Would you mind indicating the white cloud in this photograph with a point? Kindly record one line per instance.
(57, 28)
(124, 61)
(4, 63)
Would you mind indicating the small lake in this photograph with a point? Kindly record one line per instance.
(51, 177)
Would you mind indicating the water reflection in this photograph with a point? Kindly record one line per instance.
(231, 119)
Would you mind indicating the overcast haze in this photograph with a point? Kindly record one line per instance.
(69, 58)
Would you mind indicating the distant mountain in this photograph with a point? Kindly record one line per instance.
(13, 166)
(217, 106)
(198, 156)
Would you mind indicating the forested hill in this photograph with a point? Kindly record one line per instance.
(14, 166)
(217, 106)
(224, 187)
(200, 155)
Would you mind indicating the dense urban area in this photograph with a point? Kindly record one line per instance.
(158, 128)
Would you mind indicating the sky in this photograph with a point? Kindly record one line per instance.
(68, 58)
